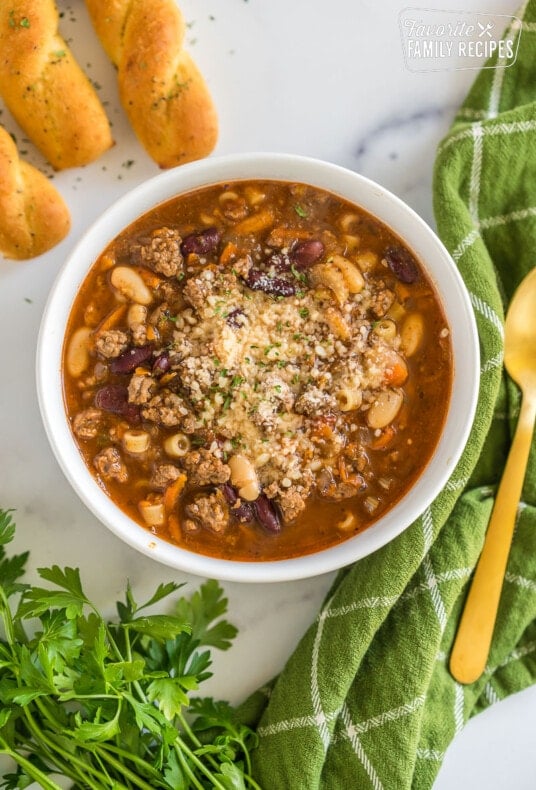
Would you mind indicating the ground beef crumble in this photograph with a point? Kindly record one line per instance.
(87, 423)
(164, 474)
(203, 468)
(111, 343)
(110, 465)
(140, 389)
(160, 252)
(166, 408)
(209, 511)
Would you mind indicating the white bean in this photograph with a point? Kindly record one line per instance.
(130, 285)
(385, 408)
(262, 459)
(250, 492)
(367, 260)
(77, 357)
(244, 477)
(137, 314)
(411, 333)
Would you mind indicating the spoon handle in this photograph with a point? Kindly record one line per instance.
(473, 640)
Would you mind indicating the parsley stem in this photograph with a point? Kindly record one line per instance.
(6, 617)
(123, 769)
(68, 763)
(138, 761)
(32, 770)
(182, 748)
(127, 773)
(195, 740)
(187, 770)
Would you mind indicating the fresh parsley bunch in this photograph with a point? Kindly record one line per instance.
(109, 705)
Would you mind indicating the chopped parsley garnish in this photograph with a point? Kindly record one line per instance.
(304, 312)
(271, 347)
(300, 276)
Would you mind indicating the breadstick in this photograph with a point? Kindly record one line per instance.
(161, 89)
(44, 88)
(33, 216)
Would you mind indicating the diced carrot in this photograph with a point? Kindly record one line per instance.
(151, 333)
(167, 377)
(343, 471)
(113, 318)
(173, 491)
(284, 237)
(106, 262)
(150, 279)
(397, 374)
(384, 439)
(402, 292)
(230, 252)
(348, 475)
(255, 222)
(142, 372)
(174, 527)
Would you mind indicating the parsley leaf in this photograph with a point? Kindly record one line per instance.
(109, 705)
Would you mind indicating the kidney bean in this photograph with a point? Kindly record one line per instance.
(244, 512)
(114, 398)
(201, 243)
(402, 264)
(129, 360)
(260, 281)
(232, 318)
(161, 364)
(278, 262)
(131, 413)
(305, 253)
(266, 513)
(229, 492)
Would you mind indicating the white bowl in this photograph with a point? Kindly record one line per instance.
(355, 188)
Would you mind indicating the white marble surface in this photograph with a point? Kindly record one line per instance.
(322, 79)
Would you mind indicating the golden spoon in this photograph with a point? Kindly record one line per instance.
(473, 640)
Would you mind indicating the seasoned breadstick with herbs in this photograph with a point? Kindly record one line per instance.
(162, 91)
(33, 216)
(45, 89)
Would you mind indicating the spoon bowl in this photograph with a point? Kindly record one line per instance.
(520, 334)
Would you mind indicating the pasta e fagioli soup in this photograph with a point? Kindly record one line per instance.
(257, 370)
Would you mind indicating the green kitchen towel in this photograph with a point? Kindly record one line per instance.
(366, 700)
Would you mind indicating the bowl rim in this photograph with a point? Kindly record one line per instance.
(351, 186)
